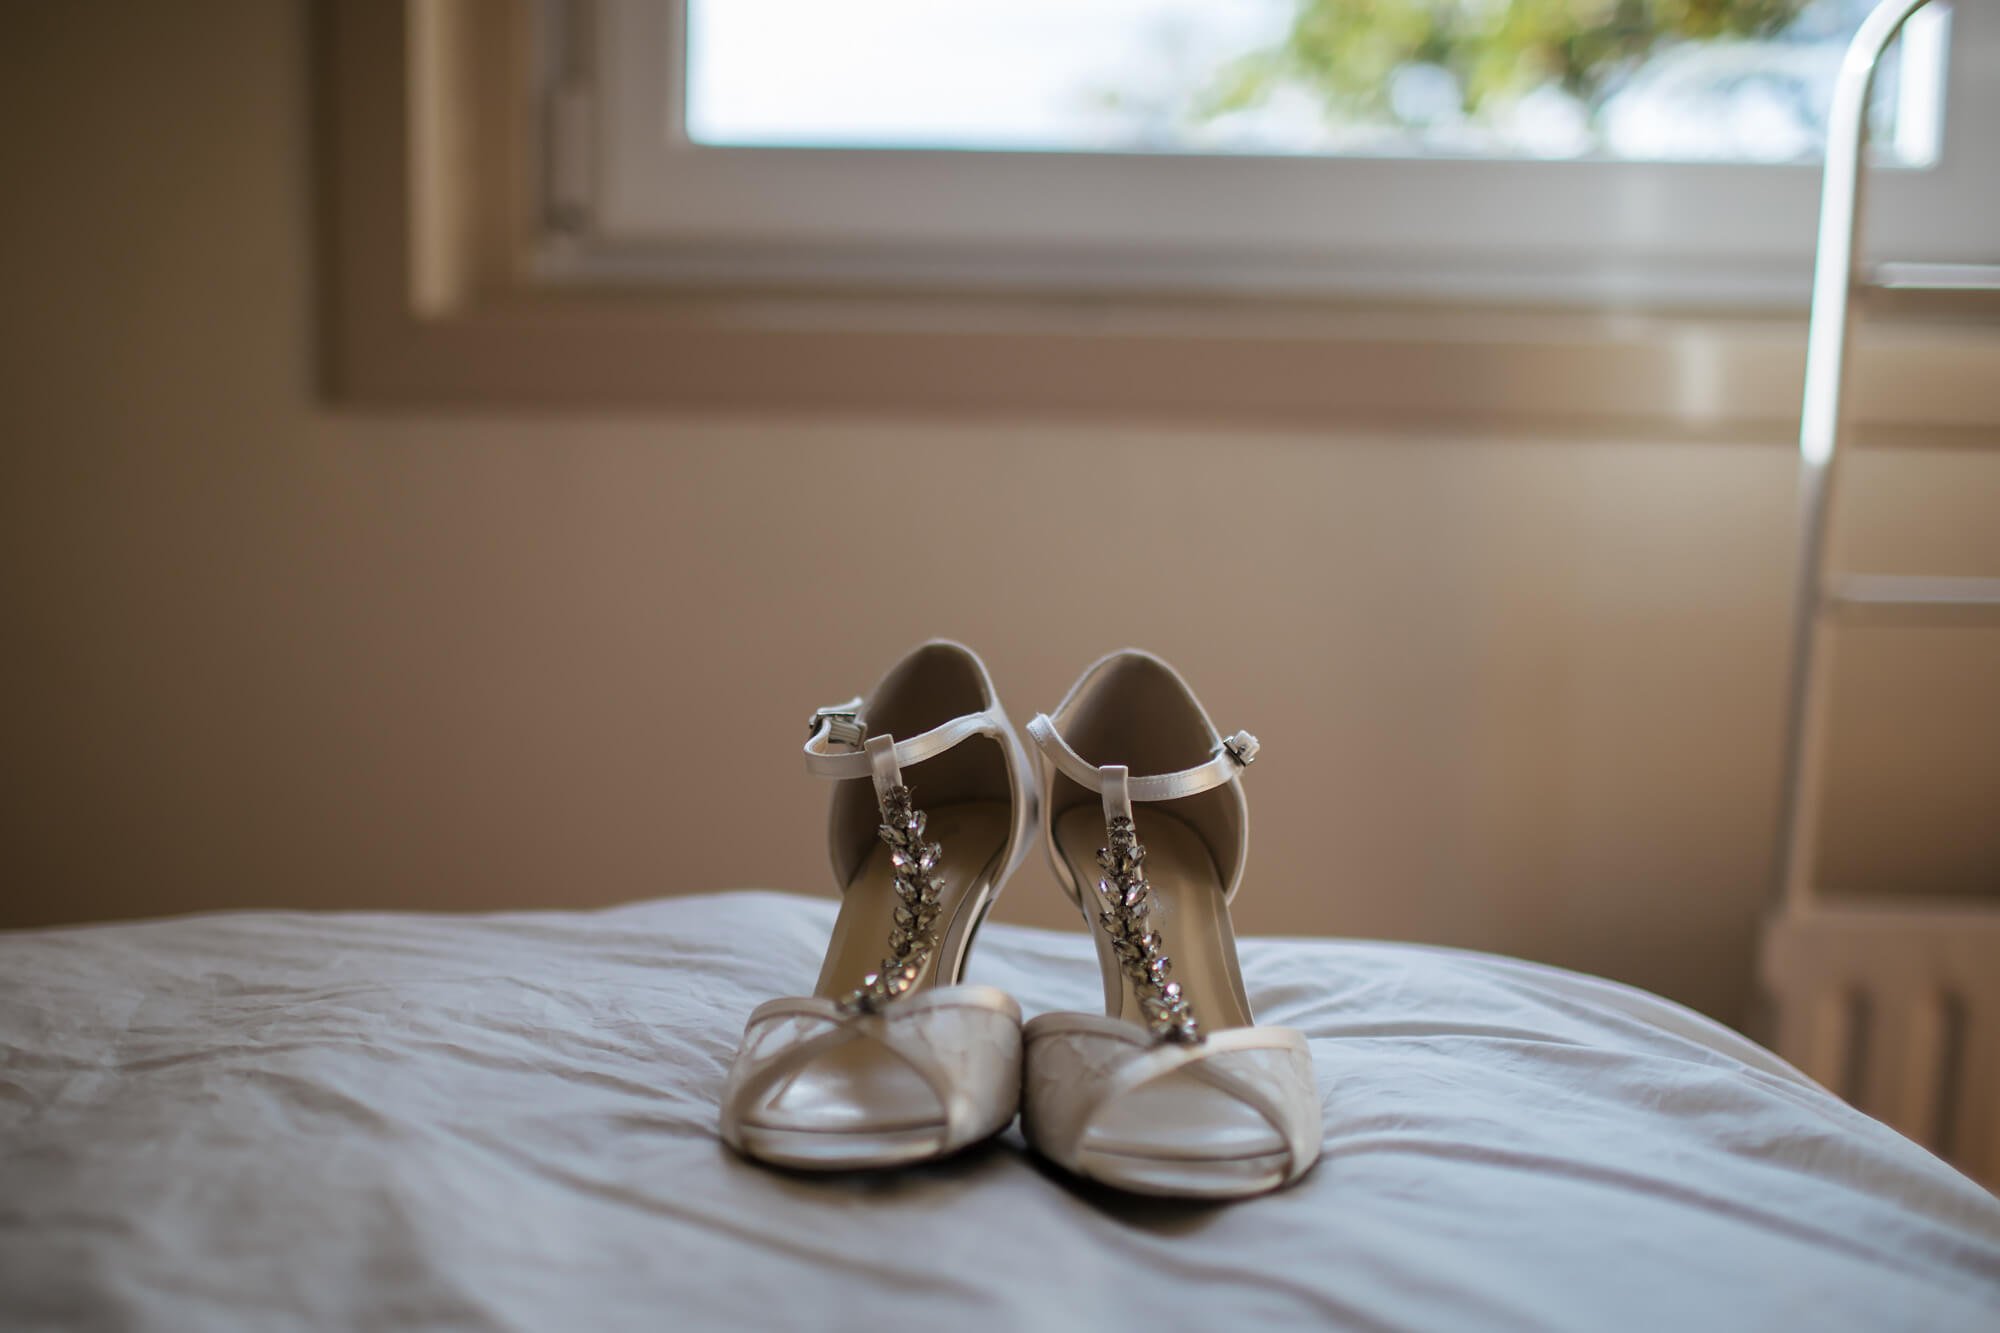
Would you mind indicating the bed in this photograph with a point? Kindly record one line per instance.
(289, 1120)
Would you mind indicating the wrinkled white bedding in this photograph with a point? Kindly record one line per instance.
(286, 1120)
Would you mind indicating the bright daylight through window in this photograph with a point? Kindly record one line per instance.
(1645, 80)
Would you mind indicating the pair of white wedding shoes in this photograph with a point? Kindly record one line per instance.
(1173, 1090)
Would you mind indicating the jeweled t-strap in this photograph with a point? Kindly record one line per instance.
(840, 747)
(918, 891)
(1127, 900)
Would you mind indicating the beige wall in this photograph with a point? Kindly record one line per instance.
(1515, 694)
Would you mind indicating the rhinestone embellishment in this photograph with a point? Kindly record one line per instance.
(1127, 901)
(914, 936)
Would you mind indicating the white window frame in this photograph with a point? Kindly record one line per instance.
(642, 203)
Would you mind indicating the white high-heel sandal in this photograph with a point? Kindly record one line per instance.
(1173, 1090)
(891, 1060)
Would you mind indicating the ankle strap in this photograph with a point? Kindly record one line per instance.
(1231, 758)
(840, 746)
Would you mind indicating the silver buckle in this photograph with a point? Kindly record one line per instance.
(1242, 747)
(843, 724)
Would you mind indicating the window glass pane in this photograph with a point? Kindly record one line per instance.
(1655, 80)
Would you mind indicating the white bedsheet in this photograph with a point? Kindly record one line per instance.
(284, 1120)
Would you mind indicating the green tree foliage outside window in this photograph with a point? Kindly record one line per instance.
(1346, 52)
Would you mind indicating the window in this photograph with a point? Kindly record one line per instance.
(523, 205)
(1429, 148)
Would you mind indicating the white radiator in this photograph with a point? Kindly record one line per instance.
(1897, 1009)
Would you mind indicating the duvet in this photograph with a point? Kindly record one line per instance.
(284, 1120)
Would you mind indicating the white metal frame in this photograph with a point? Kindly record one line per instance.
(1822, 598)
(653, 206)
(1895, 1003)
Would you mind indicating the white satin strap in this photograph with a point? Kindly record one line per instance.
(833, 756)
(1115, 785)
(752, 1085)
(1231, 757)
(1204, 1062)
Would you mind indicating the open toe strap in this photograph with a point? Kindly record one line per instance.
(1266, 1069)
(962, 1041)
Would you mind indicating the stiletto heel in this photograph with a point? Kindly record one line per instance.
(1173, 1090)
(891, 1059)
